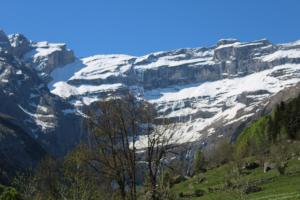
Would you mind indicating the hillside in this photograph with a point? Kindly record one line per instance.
(281, 124)
(272, 185)
(272, 141)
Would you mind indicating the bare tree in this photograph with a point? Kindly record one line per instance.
(160, 142)
(115, 126)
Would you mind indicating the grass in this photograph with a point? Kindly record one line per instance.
(274, 186)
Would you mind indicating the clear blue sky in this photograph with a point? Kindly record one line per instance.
(138, 27)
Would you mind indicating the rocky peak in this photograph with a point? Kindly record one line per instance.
(20, 44)
(44, 57)
(47, 118)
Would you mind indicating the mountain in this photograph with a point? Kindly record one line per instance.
(209, 92)
(25, 97)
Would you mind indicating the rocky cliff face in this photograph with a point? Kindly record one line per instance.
(42, 56)
(210, 92)
(24, 95)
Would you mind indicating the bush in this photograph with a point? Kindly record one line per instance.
(178, 179)
(198, 192)
(9, 193)
(251, 165)
(181, 195)
(252, 189)
(195, 193)
(2, 188)
(200, 178)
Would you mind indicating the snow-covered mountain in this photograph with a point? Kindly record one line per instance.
(25, 97)
(209, 92)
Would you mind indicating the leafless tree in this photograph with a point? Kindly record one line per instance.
(160, 142)
(115, 126)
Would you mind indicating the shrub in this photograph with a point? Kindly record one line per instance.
(251, 189)
(9, 194)
(198, 192)
(181, 195)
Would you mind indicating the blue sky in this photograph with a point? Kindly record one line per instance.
(137, 27)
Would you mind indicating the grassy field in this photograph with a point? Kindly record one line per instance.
(274, 186)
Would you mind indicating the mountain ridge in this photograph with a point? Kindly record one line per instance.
(210, 92)
(185, 84)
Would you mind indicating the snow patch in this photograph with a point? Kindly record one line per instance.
(37, 119)
(291, 53)
(66, 90)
